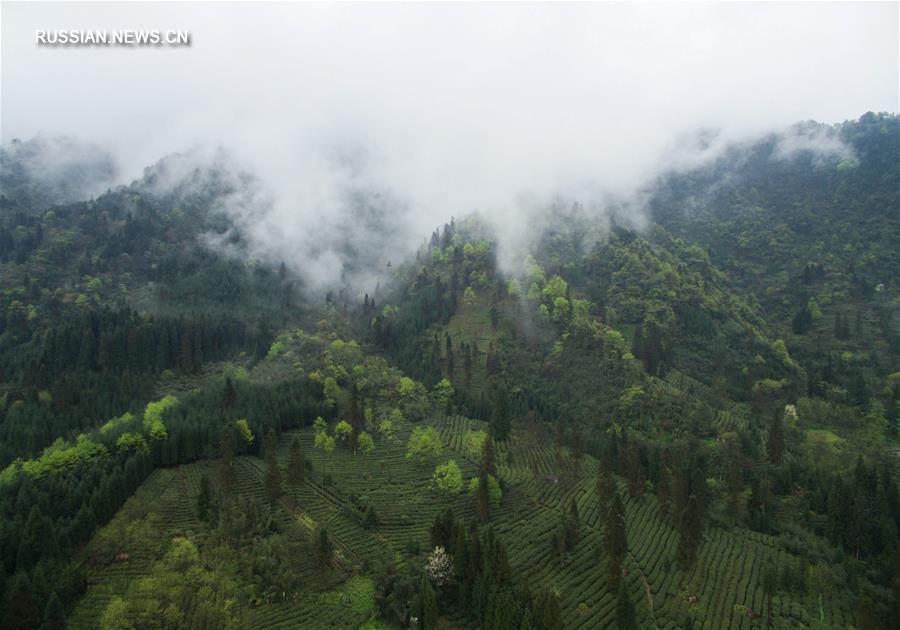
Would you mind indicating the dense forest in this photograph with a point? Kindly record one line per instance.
(690, 421)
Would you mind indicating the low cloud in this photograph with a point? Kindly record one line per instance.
(366, 126)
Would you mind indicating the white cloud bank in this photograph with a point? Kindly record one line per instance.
(442, 108)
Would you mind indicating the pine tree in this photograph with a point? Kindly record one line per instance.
(436, 354)
(690, 533)
(443, 529)
(625, 617)
(776, 438)
(324, 549)
(227, 475)
(604, 485)
(296, 464)
(370, 519)
(203, 499)
(680, 485)
(38, 540)
(273, 473)
(576, 454)
(570, 527)
(634, 469)
(734, 479)
(482, 498)
(614, 540)
(487, 456)
(21, 608)
(428, 611)
(557, 446)
(664, 491)
(449, 344)
(546, 611)
(500, 422)
(229, 396)
(54, 614)
(356, 418)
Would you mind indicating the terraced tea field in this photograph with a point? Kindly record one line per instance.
(722, 591)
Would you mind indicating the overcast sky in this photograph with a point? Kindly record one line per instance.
(451, 107)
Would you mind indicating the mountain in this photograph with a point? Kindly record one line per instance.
(694, 423)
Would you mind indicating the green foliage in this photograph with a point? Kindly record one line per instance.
(424, 443)
(114, 424)
(473, 442)
(386, 429)
(332, 391)
(275, 350)
(406, 387)
(343, 431)
(244, 431)
(325, 442)
(555, 288)
(60, 456)
(447, 478)
(443, 392)
(175, 583)
(495, 493)
(153, 414)
(366, 443)
(131, 442)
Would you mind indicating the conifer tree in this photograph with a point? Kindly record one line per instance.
(634, 470)
(296, 464)
(324, 549)
(272, 482)
(482, 497)
(690, 534)
(500, 422)
(54, 614)
(227, 473)
(229, 397)
(604, 485)
(663, 491)
(203, 499)
(776, 438)
(428, 611)
(625, 617)
(487, 457)
(614, 539)
(576, 454)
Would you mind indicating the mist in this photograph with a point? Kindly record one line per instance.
(366, 126)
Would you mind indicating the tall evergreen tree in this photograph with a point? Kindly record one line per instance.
(625, 616)
(54, 614)
(203, 499)
(227, 472)
(690, 533)
(614, 540)
(487, 456)
(482, 498)
(664, 491)
(428, 610)
(273, 473)
(500, 421)
(296, 464)
(324, 549)
(776, 438)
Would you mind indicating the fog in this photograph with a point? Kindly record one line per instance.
(442, 109)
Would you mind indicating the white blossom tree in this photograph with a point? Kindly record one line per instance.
(439, 566)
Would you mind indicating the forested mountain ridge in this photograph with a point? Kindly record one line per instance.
(587, 437)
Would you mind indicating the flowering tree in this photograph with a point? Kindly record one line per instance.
(439, 566)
